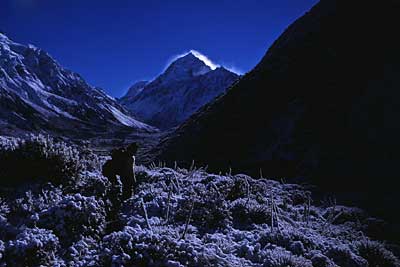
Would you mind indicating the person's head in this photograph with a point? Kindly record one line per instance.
(132, 148)
(116, 153)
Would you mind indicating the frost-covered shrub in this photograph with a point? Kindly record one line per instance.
(238, 189)
(295, 240)
(83, 253)
(92, 184)
(142, 247)
(298, 197)
(24, 210)
(33, 247)
(343, 256)
(320, 260)
(210, 209)
(341, 214)
(376, 254)
(277, 257)
(297, 248)
(90, 161)
(75, 216)
(41, 158)
(246, 213)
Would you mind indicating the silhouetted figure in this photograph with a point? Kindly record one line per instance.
(122, 163)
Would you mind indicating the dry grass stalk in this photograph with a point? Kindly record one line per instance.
(145, 214)
(188, 220)
(168, 205)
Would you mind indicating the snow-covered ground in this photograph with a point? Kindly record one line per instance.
(176, 218)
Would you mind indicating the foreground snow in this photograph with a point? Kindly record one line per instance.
(176, 218)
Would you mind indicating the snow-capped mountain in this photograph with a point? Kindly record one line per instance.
(36, 93)
(186, 85)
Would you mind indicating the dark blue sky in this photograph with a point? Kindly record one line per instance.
(115, 43)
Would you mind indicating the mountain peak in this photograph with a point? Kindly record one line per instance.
(189, 56)
(185, 67)
(188, 84)
(189, 60)
(3, 36)
(4, 40)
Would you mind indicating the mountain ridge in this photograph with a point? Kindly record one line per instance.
(55, 96)
(135, 89)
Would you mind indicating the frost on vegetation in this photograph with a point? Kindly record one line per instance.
(74, 216)
(179, 218)
(235, 221)
(42, 159)
(33, 247)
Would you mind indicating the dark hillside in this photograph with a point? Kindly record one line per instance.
(322, 103)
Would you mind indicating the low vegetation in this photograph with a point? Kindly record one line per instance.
(176, 218)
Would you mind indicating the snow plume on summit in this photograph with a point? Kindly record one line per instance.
(205, 59)
(197, 54)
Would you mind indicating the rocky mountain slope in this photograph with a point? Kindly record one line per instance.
(37, 94)
(186, 85)
(133, 91)
(322, 103)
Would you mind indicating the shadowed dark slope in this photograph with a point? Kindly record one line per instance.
(324, 102)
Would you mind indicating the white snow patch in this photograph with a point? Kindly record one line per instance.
(126, 120)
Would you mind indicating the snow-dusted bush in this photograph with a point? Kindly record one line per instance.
(143, 247)
(298, 241)
(92, 184)
(25, 209)
(245, 213)
(342, 255)
(344, 214)
(320, 260)
(238, 188)
(33, 247)
(41, 158)
(210, 209)
(83, 253)
(277, 257)
(376, 254)
(75, 216)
